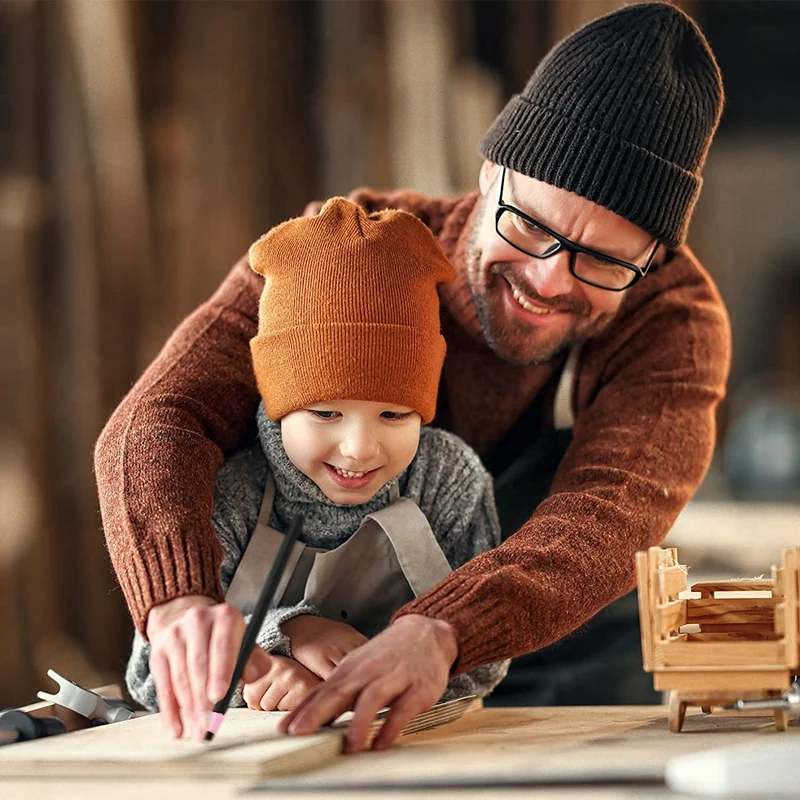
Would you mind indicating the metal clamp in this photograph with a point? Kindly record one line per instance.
(789, 701)
(85, 702)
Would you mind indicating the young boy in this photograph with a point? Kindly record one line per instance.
(347, 358)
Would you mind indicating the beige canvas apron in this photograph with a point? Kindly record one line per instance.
(391, 558)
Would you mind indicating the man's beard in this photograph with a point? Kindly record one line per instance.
(511, 339)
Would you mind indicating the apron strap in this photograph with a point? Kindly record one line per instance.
(261, 552)
(563, 414)
(418, 553)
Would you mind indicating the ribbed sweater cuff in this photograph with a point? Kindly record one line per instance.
(457, 602)
(174, 568)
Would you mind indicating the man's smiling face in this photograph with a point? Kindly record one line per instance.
(531, 309)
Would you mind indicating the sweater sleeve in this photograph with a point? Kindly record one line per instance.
(643, 439)
(157, 457)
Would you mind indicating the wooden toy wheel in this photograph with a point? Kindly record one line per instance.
(676, 713)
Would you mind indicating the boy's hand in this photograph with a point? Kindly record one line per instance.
(283, 688)
(320, 644)
(194, 644)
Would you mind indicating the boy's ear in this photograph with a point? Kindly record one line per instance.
(488, 175)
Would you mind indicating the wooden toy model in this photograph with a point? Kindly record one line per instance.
(717, 648)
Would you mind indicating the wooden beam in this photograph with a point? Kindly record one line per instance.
(710, 656)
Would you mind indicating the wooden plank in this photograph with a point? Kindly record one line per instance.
(720, 654)
(570, 741)
(723, 681)
(247, 745)
(671, 581)
(777, 580)
(757, 635)
(646, 627)
(791, 612)
(756, 611)
(669, 617)
(707, 588)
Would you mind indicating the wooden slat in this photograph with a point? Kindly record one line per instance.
(733, 636)
(719, 654)
(707, 588)
(791, 612)
(777, 580)
(779, 623)
(744, 680)
(645, 591)
(735, 627)
(757, 610)
(669, 617)
(671, 581)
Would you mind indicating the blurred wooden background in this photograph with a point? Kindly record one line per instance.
(146, 144)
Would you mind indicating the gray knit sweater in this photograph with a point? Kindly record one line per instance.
(446, 480)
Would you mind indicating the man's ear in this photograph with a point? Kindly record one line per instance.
(487, 176)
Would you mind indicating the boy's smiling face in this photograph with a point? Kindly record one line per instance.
(351, 448)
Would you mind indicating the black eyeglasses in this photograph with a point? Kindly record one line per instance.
(538, 241)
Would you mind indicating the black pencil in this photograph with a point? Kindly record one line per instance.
(254, 626)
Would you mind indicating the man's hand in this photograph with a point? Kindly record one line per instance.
(320, 644)
(194, 644)
(283, 688)
(405, 667)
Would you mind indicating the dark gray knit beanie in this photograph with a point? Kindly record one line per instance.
(621, 112)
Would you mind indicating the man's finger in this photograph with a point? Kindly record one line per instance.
(371, 700)
(323, 707)
(197, 634)
(226, 638)
(175, 651)
(165, 696)
(402, 711)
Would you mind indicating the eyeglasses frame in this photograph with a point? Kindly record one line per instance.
(566, 244)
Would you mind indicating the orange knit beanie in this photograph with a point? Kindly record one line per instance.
(349, 310)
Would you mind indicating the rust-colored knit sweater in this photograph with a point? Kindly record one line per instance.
(644, 434)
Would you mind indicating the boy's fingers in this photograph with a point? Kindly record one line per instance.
(226, 637)
(286, 722)
(272, 698)
(316, 662)
(258, 665)
(293, 698)
(167, 702)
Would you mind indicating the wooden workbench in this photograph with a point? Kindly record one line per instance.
(563, 741)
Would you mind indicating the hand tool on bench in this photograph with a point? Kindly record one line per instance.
(19, 726)
(85, 702)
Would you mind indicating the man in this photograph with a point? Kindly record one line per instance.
(575, 237)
